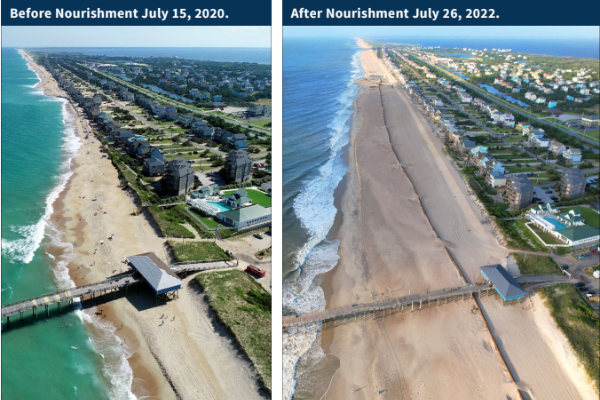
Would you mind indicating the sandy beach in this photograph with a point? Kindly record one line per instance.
(404, 203)
(191, 356)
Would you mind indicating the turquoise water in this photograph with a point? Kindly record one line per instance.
(557, 224)
(37, 359)
(220, 206)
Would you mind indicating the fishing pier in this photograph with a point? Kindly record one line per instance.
(145, 268)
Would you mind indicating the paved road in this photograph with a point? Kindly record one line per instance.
(492, 133)
(486, 95)
(149, 93)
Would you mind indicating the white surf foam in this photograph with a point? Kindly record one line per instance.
(115, 367)
(314, 207)
(22, 250)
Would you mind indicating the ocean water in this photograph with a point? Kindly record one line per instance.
(259, 55)
(319, 87)
(38, 144)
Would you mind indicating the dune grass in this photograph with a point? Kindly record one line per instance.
(197, 251)
(578, 322)
(530, 264)
(244, 307)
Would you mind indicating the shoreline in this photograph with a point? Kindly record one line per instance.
(383, 253)
(72, 229)
(163, 360)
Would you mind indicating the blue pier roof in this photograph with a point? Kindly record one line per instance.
(505, 285)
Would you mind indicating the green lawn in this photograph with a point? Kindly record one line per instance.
(546, 237)
(244, 307)
(530, 264)
(578, 322)
(514, 138)
(208, 221)
(261, 123)
(591, 217)
(257, 197)
(196, 251)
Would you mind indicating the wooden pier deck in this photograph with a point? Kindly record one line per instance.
(109, 285)
(415, 302)
(68, 295)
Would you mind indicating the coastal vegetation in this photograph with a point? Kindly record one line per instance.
(244, 307)
(530, 264)
(197, 251)
(578, 322)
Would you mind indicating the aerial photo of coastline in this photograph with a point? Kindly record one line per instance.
(440, 208)
(136, 213)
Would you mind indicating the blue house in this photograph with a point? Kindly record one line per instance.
(217, 97)
(506, 286)
(238, 141)
(552, 104)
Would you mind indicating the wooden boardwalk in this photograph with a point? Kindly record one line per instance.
(416, 302)
(68, 295)
(184, 269)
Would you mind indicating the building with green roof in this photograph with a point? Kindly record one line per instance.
(245, 216)
(577, 235)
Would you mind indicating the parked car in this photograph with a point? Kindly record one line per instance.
(548, 192)
(565, 267)
(554, 198)
(259, 273)
(259, 235)
(579, 284)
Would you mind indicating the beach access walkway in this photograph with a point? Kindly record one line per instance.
(111, 284)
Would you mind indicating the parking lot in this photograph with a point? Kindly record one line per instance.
(541, 193)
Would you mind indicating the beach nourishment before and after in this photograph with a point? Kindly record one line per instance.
(386, 215)
(439, 203)
(130, 344)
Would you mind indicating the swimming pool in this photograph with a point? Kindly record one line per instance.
(221, 206)
(557, 224)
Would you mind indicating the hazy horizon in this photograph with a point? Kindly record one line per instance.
(136, 36)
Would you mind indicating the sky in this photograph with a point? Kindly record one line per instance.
(521, 32)
(139, 36)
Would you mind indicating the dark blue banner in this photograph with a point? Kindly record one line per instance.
(126, 13)
(438, 13)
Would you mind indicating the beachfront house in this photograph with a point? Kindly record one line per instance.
(153, 166)
(496, 179)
